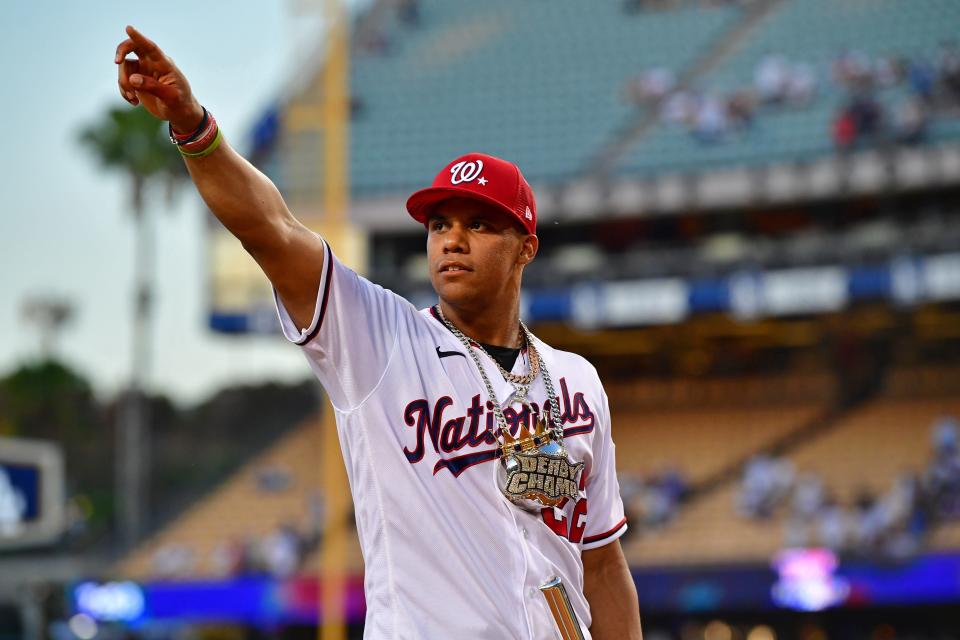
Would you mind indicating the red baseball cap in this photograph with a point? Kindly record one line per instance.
(478, 176)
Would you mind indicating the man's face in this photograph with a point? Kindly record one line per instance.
(476, 253)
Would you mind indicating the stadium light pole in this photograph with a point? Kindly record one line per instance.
(336, 112)
(332, 119)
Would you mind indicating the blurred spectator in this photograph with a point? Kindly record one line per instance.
(282, 551)
(946, 436)
(710, 123)
(910, 121)
(680, 107)
(887, 72)
(808, 496)
(772, 78)
(653, 502)
(922, 77)
(844, 130)
(852, 69)
(651, 86)
(869, 523)
(741, 109)
(949, 70)
(766, 482)
(228, 559)
(173, 560)
(833, 526)
(273, 479)
(943, 474)
(861, 120)
(802, 85)
(866, 113)
(316, 518)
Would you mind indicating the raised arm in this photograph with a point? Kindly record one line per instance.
(243, 199)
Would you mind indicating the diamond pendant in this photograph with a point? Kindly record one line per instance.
(535, 471)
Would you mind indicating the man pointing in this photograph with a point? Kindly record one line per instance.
(480, 459)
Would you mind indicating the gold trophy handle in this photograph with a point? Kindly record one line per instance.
(563, 614)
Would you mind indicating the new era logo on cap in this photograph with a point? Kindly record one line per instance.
(479, 177)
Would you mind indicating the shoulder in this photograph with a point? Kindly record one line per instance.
(570, 365)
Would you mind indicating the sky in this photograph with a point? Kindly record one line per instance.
(64, 227)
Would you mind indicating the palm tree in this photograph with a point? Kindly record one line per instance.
(134, 142)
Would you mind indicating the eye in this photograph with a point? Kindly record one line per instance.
(478, 225)
(436, 225)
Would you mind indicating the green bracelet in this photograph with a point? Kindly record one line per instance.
(202, 154)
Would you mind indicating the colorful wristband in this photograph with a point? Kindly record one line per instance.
(186, 138)
(204, 152)
(203, 140)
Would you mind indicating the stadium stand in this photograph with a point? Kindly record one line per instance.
(862, 452)
(271, 492)
(874, 445)
(706, 531)
(812, 32)
(452, 83)
(703, 430)
(700, 442)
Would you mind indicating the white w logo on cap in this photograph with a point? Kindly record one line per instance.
(465, 171)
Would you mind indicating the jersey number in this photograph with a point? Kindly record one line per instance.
(570, 528)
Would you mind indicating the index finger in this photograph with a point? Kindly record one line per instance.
(142, 44)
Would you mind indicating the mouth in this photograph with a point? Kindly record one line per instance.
(453, 267)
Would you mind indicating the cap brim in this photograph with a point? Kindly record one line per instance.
(422, 203)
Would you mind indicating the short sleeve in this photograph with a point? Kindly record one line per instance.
(605, 515)
(352, 335)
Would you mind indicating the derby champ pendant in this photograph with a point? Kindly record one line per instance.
(534, 470)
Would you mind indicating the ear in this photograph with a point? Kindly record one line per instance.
(528, 249)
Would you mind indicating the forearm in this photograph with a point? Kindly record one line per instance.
(609, 588)
(245, 200)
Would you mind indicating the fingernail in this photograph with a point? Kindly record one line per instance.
(136, 80)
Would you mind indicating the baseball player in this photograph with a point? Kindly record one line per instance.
(480, 459)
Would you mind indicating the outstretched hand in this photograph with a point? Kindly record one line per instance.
(153, 80)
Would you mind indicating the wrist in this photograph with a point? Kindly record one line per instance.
(189, 122)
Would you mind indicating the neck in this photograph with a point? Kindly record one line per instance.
(498, 329)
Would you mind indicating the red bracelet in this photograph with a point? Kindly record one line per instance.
(204, 139)
(185, 138)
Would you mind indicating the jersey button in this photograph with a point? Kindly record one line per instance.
(532, 592)
(524, 532)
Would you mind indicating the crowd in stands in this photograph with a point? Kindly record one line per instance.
(279, 554)
(888, 526)
(932, 84)
(652, 501)
(933, 87)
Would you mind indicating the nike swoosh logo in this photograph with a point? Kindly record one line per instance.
(444, 354)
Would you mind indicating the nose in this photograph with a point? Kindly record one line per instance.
(455, 240)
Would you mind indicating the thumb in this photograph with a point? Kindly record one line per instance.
(165, 92)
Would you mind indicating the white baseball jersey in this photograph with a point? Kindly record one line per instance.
(446, 555)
